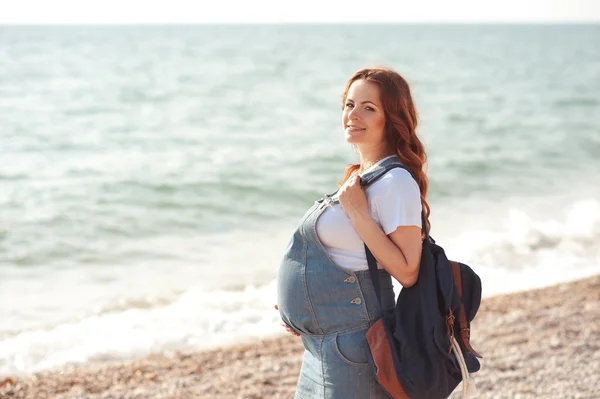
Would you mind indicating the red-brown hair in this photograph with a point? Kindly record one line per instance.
(400, 124)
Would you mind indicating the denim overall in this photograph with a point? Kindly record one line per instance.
(331, 308)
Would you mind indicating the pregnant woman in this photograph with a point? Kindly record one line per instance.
(325, 294)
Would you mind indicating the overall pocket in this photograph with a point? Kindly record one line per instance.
(351, 347)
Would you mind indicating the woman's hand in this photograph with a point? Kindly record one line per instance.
(287, 328)
(353, 198)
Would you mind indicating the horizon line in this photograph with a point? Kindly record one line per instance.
(146, 23)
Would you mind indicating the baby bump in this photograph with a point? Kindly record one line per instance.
(291, 296)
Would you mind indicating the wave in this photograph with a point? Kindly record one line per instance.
(197, 319)
(526, 238)
(522, 252)
(529, 253)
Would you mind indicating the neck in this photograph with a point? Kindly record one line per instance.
(370, 159)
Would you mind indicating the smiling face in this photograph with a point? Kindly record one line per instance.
(363, 118)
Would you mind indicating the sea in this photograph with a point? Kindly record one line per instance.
(151, 176)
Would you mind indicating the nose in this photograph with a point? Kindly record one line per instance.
(352, 114)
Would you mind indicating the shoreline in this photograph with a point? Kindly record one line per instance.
(540, 343)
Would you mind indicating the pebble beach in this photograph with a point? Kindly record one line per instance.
(542, 343)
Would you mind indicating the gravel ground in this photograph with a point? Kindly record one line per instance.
(536, 344)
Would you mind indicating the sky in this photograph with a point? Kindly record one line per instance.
(282, 11)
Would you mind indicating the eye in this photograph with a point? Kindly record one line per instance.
(369, 108)
(349, 104)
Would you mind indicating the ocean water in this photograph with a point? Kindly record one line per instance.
(150, 177)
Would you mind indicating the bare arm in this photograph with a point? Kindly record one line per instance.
(399, 252)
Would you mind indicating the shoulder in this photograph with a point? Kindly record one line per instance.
(394, 179)
(396, 200)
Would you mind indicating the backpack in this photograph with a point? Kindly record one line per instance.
(420, 349)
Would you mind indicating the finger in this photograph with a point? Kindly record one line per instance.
(276, 307)
(293, 332)
(288, 328)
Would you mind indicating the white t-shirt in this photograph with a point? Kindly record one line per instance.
(394, 200)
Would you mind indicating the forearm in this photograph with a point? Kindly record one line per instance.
(385, 251)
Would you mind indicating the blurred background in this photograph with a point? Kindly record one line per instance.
(152, 174)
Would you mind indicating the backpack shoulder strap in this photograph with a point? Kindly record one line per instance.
(373, 175)
(366, 180)
(369, 178)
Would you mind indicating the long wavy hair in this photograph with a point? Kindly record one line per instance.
(400, 125)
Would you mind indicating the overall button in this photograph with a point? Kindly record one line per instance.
(356, 301)
(350, 279)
